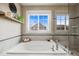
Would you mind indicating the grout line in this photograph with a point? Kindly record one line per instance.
(40, 35)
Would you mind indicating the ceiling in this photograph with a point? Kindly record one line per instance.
(44, 4)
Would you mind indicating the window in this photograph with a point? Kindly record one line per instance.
(43, 22)
(33, 22)
(38, 21)
(62, 22)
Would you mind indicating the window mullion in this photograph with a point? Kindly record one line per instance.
(38, 22)
(60, 23)
(65, 22)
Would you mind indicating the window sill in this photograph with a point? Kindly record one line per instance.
(38, 33)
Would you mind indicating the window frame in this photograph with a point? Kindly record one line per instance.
(39, 12)
(66, 19)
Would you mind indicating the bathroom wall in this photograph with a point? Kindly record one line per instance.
(77, 29)
(74, 12)
(4, 7)
(54, 9)
(9, 28)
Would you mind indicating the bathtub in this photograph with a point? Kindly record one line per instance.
(36, 47)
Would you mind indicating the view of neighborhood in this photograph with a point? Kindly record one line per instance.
(41, 27)
(39, 22)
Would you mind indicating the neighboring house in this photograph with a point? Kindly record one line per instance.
(61, 27)
(41, 27)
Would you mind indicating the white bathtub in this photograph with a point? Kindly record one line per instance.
(36, 47)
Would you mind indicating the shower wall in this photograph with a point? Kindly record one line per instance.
(74, 25)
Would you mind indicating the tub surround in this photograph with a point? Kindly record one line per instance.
(36, 47)
(8, 29)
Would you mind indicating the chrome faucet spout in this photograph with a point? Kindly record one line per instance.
(52, 48)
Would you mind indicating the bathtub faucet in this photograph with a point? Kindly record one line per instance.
(57, 43)
(52, 48)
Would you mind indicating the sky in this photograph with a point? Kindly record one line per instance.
(61, 20)
(43, 19)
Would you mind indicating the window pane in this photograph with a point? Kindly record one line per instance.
(33, 22)
(58, 17)
(62, 17)
(63, 22)
(43, 22)
(60, 27)
(58, 20)
(67, 20)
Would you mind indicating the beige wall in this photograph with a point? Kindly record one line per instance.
(9, 28)
(74, 12)
(54, 9)
(4, 7)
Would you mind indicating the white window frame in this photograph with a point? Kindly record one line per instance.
(39, 12)
(66, 15)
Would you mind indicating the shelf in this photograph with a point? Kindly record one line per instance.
(2, 14)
